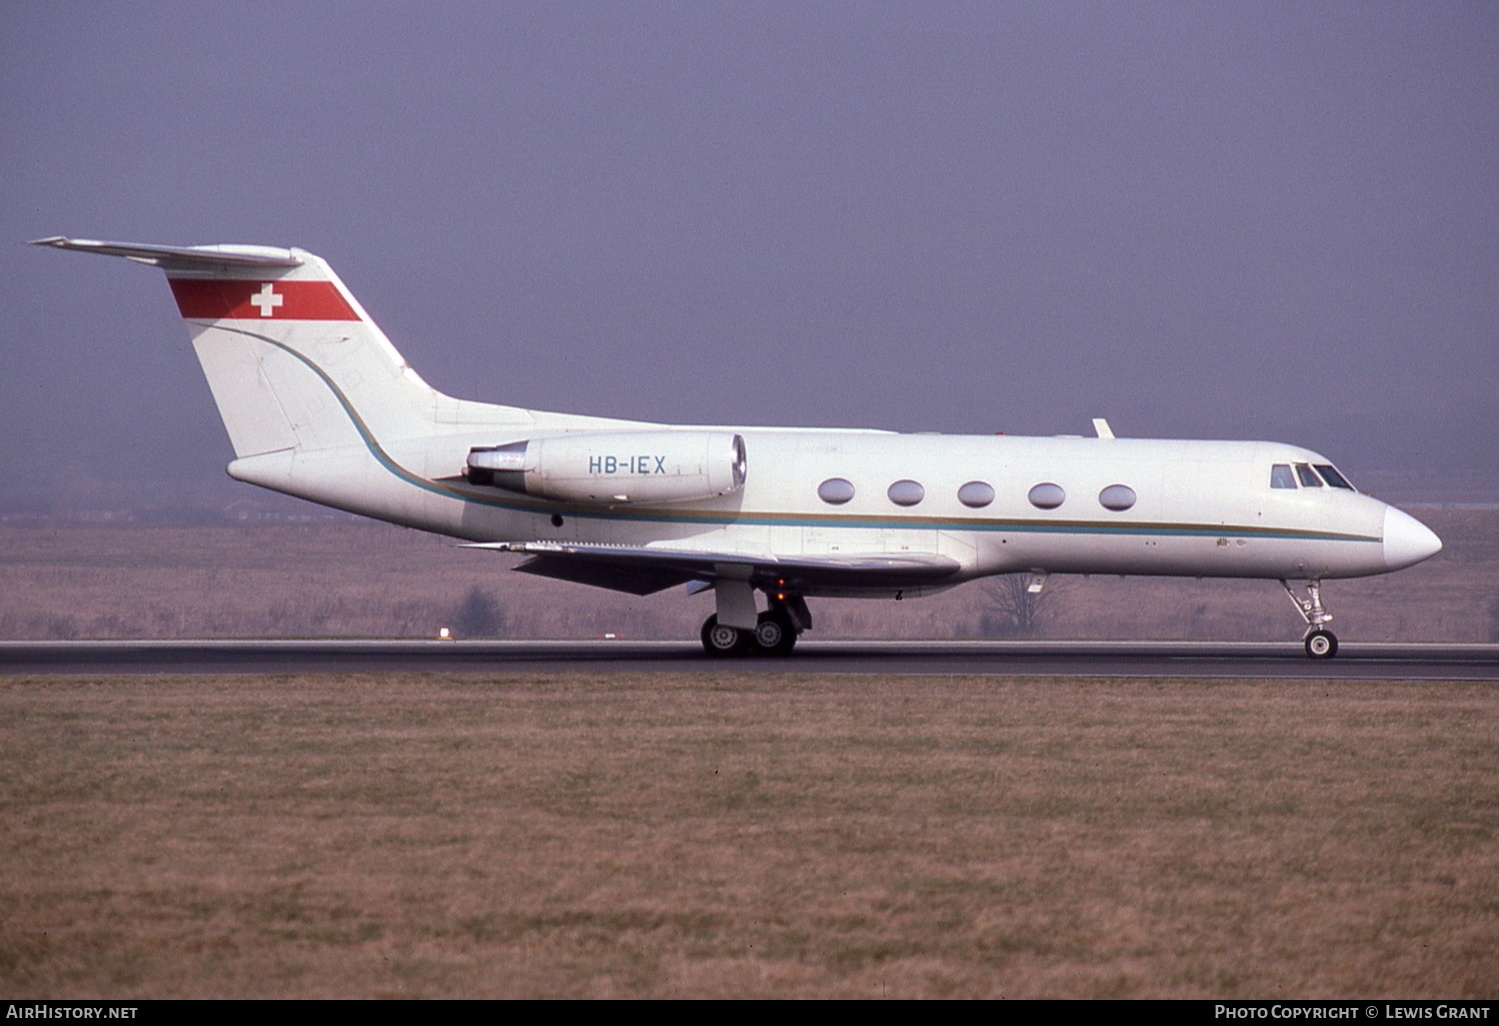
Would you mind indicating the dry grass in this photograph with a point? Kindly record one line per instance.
(359, 579)
(744, 835)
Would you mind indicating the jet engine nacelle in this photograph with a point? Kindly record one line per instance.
(615, 467)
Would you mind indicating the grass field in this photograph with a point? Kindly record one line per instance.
(358, 579)
(736, 835)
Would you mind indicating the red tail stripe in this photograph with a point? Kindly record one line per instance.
(218, 299)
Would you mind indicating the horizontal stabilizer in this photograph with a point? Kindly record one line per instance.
(180, 258)
(641, 570)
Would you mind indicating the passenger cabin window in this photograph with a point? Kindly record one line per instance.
(1281, 477)
(1331, 476)
(906, 493)
(1047, 495)
(835, 491)
(976, 494)
(1117, 497)
(1308, 476)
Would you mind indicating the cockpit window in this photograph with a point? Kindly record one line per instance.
(1308, 476)
(1331, 476)
(1280, 476)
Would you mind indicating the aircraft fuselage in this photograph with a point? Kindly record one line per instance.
(1201, 508)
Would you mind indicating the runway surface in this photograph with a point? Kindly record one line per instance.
(1270, 660)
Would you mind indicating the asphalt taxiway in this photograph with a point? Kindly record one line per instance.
(1207, 660)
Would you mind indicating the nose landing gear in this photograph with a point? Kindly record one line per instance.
(1320, 642)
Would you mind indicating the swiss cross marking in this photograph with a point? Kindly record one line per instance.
(267, 299)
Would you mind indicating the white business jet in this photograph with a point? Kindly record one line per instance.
(318, 404)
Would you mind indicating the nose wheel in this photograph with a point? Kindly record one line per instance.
(1320, 642)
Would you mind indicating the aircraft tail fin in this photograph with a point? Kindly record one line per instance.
(294, 362)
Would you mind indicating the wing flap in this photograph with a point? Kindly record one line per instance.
(634, 580)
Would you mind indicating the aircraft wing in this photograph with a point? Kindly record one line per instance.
(642, 570)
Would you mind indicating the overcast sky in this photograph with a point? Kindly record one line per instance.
(1238, 220)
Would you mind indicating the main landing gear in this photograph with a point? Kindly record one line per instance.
(1320, 642)
(775, 633)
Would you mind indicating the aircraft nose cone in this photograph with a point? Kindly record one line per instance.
(1407, 541)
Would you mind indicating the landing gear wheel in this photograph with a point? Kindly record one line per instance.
(1321, 644)
(722, 641)
(775, 634)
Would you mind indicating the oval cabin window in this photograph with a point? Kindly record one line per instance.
(1047, 496)
(835, 491)
(1117, 497)
(976, 494)
(906, 493)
